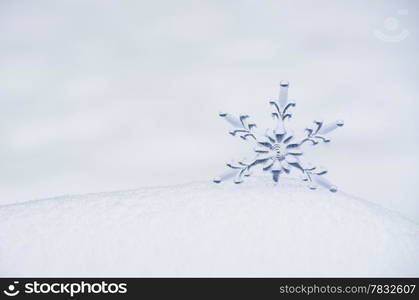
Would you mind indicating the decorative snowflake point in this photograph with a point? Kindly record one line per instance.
(278, 150)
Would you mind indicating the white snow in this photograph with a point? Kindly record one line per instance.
(204, 229)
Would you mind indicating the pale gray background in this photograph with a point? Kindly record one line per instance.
(111, 95)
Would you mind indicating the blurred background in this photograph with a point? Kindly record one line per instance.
(111, 95)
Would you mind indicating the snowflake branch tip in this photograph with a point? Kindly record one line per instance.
(324, 129)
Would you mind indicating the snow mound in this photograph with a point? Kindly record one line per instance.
(204, 229)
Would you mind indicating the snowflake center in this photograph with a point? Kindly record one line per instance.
(276, 148)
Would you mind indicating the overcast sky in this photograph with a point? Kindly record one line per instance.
(112, 95)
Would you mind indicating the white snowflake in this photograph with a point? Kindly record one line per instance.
(278, 150)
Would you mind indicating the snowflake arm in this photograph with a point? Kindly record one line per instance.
(317, 132)
(314, 176)
(241, 125)
(281, 108)
(238, 170)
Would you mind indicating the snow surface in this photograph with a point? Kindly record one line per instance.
(204, 229)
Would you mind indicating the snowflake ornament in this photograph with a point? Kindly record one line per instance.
(278, 150)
